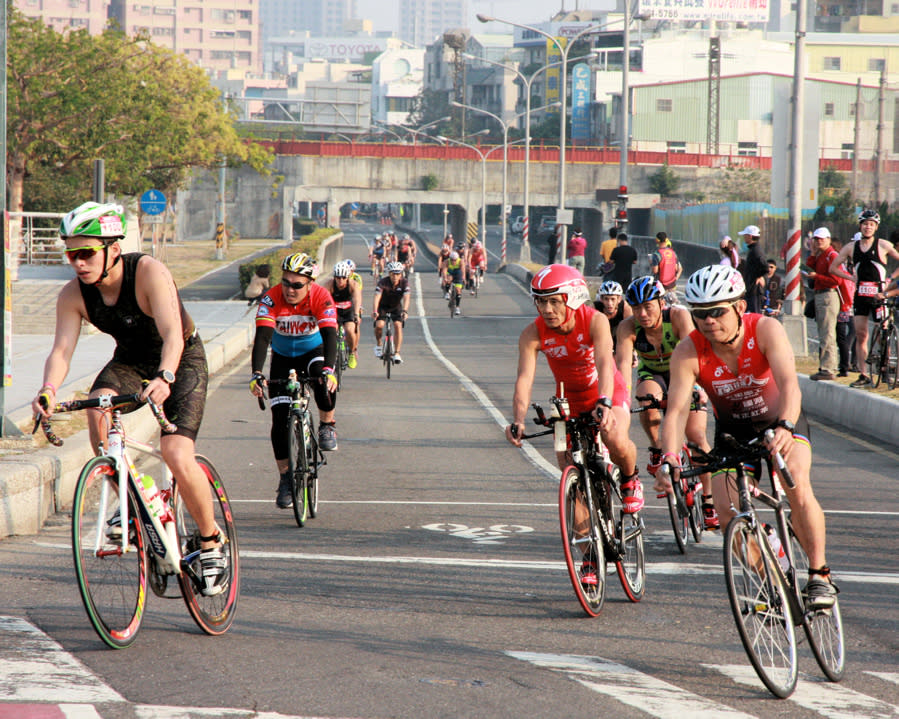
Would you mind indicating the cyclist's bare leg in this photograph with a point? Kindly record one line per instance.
(861, 343)
(695, 433)
(179, 453)
(805, 512)
(651, 419)
(379, 330)
(97, 420)
(352, 336)
(622, 451)
(398, 333)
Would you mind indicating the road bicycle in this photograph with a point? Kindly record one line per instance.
(342, 355)
(685, 498)
(128, 533)
(388, 345)
(304, 456)
(762, 567)
(883, 353)
(477, 279)
(595, 529)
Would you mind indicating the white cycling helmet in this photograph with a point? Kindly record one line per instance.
(342, 269)
(715, 283)
(610, 287)
(395, 268)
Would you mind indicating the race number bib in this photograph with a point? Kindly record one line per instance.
(868, 289)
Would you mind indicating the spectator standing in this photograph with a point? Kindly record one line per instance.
(755, 270)
(553, 244)
(605, 249)
(623, 259)
(773, 300)
(577, 246)
(845, 325)
(730, 256)
(665, 267)
(827, 303)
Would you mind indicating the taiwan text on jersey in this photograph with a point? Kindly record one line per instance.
(296, 326)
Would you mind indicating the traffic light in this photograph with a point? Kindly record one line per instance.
(621, 213)
(621, 217)
(622, 194)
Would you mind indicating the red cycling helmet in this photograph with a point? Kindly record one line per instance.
(561, 280)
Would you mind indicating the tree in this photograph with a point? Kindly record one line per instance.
(75, 97)
(665, 182)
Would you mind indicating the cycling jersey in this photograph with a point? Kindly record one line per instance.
(572, 361)
(377, 249)
(454, 270)
(613, 321)
(343, 301)
(404, 252)
(744, 403)
(654, 360)
(667, 263)
(477, 259)
(391, 297)
(296, 327)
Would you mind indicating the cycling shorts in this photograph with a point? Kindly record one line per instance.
(395, 314)
(185, 405)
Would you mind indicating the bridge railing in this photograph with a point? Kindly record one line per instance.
(541, 152)
(38, 240)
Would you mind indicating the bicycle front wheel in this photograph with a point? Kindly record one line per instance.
(823, 628)
(876, 356)
(584, 553)
(112, 583)
(213, 614)
(297, 466)
(631, 565)
(312, 464)
(892, 369)
(692, 497)
(759, 602)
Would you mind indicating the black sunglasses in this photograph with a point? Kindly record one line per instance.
(713, 312)
(83, 253)
(293, 285)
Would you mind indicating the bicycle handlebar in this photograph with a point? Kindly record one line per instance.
(733, 453)
(104, 401)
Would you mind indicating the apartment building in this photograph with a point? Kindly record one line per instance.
(318, 17)
(422, 21)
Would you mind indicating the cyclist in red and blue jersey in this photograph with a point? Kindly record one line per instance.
(298, 319)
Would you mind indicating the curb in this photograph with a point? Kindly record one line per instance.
(36, 484)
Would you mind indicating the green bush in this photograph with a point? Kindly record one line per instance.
(308, 243)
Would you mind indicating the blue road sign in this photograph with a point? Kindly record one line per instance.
(152, 202)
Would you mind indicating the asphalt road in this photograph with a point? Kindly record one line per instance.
(432, 583)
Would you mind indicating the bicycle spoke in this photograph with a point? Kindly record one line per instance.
(584, 554)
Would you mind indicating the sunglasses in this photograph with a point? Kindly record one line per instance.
(293, 285)
(83, 253)
(713, 312)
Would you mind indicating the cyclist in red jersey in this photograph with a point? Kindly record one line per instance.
(745, 363)
(577, 343)
(477, 260)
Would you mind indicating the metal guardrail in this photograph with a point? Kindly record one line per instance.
(38, 241)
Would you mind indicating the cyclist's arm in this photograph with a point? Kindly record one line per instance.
(407, 298)
(602, 354)
(261, 342)
(376, 303)
(681, 322)
(684, 370)
(775, 345)
(329, 345)
(357, 299)
(834, 268)
(528, 348)
(69, 313)
(624, 350)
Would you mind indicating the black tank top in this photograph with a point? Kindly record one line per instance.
(137, 339)
(869, 265)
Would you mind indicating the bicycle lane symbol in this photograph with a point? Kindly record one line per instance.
(494, 534)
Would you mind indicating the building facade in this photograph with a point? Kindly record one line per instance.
(318, 17)
(422, 21)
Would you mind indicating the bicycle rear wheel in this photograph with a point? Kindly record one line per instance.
(312, 464)
(876, 356)
(631, 566)
(759, 602)
(824, 629)
(341, 363)
(387, 353)
(581, 542)
(692, 497)
(215, 614)
(297, 466)
(892, 369)
(112, 584)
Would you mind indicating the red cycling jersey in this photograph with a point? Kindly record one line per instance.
(296, 326)
(477, 259)
(571, 359)
(749, 399)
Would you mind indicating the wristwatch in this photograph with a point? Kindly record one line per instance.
(786, 424)
(166, 376)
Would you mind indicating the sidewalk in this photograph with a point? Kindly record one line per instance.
(35, 483)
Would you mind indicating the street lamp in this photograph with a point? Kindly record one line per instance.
(563, 51)
(525, 255)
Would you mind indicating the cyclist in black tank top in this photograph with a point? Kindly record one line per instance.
(869, 256)
(133, 298)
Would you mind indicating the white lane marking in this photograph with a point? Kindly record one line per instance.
(33, 667)
(532, 454)
(650, 695)
(886, 676)
(818, 695)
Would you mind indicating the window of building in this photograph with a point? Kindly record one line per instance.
(828, 109)
(223, 15)
(847, 151)
(877, 64)
(164, 10)
(664, 105)
(221, 34)
(163, 31)
(832, 63)
(245, 15)
(748, 149)
(678, 148)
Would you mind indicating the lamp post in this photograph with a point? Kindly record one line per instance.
(563, 51)
(483, 155)
(527, 82)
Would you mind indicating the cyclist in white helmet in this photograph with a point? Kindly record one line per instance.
(346, 292)
(392, 296)
(158, 343)
(745, 363)
(609, 301)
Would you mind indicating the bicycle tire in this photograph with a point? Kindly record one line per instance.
(341, 363)
(693, 498)
(679, 521)
(761, 609)
(824, 629)
(312, 464)
(214, 615)
(296, 467)
(113, 585)
(893, 358)
(631, 566)
(876, 356)
(578, 547)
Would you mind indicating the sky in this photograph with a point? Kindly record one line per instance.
(384, 13)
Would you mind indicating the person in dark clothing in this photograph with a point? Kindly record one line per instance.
(623, 259)
(553, 244)
(756, 269)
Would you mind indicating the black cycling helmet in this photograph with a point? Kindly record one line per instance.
(869, 215)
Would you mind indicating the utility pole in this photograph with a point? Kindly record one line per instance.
(712, 131)
(880, 154)
(856, 137)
